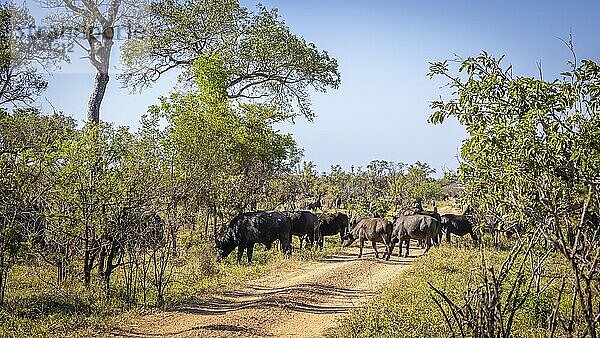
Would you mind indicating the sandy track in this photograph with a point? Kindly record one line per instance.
(303, 302)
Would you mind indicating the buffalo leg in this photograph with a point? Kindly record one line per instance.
(448, 235)
(387, 253)
(407, 248)
(362, 244)
(285, 243)
(320, 240)
(400, 248)
(427, 243)
(375, 248)
(310, 239)
(240, 253)
(249, 250)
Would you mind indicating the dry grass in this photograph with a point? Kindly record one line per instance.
(406, 307)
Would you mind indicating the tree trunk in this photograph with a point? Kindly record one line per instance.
(2, 278)
(89, 256)
(100, 84)
(109, 266)
(173, 232)
(60, 271)
(207, 222)
(87, 269)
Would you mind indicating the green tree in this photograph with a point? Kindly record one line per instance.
(222, 156)
(262, 59)
(533, 155)
(21, 51)
(28, 141)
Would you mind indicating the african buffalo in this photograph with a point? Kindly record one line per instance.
(372, 229)
(249, 228)
(459, 225)
(315, 205)
(419, 227)
(305, 225)
(332, 224)
(434, 214)
(338, 202)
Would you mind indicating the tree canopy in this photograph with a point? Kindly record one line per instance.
(259, 55)
(21, 52)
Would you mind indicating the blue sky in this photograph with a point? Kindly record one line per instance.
(383, 48)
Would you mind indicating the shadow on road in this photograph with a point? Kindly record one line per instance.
(341, 258)
(369, 254)
(300, 298)
(306, 298)
(233, 329)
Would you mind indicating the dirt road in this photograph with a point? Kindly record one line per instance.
(303, 302)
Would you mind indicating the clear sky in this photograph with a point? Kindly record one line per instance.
(383, 48)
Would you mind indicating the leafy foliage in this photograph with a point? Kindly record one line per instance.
(532, 160)
(405, 307)
(382, 188)
(260, 58)
(20, 53)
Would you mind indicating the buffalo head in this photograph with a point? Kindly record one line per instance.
(348, 239)
(224, 241)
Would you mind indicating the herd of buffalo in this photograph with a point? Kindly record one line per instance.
(265, 227)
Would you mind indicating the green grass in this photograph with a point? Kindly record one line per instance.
(406, 308)
(35, 307)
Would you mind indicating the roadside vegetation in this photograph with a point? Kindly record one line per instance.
(36, 307)
(99, 221)
(407, 307)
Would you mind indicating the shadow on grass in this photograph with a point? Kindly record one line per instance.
(43, 305)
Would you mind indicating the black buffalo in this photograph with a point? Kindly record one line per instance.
(305, 225)
(315, 205)
(333, 224)
(376, 230)
(249, 228)
(419, 227)
(458, 225)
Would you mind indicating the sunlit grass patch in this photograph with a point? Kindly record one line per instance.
(406, 308)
